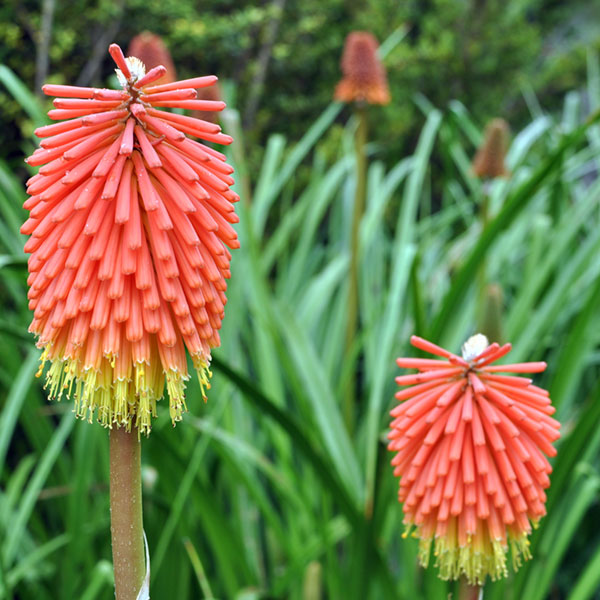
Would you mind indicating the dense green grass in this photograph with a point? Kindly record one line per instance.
(261, 493)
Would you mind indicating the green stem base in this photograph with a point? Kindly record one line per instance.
(469, 592)
(126, 526)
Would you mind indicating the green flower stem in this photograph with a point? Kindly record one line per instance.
(489, 295)
(126, 525)
(469, 592)
(359, 208)
(482, 271)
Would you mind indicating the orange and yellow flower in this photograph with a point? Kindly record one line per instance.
(130, 224)
(471, 447)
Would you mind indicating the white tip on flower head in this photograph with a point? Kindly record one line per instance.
(474, 346)
(136, 67)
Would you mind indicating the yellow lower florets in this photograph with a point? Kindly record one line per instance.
(120, 401)
(474, 561)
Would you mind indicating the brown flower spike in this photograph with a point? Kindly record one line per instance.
(489, 160)
(364, 75)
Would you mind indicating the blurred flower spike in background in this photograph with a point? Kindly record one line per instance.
(130, 224)
(364, 77)
(470, 447)
(489, 159)
(153, 52)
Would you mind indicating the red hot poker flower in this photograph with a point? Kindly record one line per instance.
(130, 220)
(470, 446)
(364, 78)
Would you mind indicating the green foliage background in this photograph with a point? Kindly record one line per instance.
(262, 493)
(485, 53)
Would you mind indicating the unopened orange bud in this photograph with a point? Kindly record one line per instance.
(213, 94)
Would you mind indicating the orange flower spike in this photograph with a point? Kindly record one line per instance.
(470, 446)
(129, 219)
(364, 77)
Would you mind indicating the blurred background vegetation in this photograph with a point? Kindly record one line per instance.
(262, 493)
(283, 55)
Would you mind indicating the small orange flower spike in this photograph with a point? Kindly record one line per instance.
(470, 447)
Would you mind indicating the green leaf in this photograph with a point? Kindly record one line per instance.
(513, 205)
(15, 399)
(38, 479)
(28, 102)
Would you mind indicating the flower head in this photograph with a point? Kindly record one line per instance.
(130, 220)
(364, 75)
(153, 52)
(489, 159)
(470, 446)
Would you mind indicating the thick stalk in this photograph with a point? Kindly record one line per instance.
(359, 208)
(469, 592)
(489, 295)
(126, 526)
(42, 55)
(482, 271)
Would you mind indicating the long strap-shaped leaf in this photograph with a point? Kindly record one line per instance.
(265, 406)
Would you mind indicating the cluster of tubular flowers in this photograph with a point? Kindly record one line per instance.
(470, 449)
(130, 224)
(364, 78)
